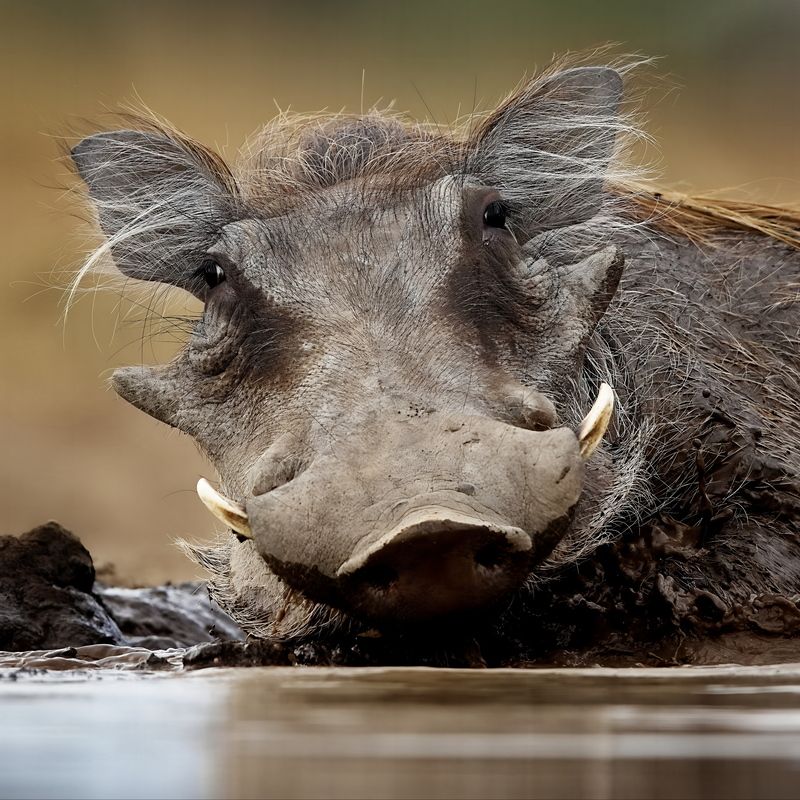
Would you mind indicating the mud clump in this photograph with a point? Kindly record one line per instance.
(50, 599)
(46, 600)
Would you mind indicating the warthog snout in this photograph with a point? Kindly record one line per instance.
(412, 519)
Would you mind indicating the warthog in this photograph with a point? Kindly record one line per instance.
(403, 332)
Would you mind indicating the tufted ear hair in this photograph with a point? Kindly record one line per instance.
(160, 199)
(548, 147)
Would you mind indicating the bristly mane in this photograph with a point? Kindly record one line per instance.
(699, 218)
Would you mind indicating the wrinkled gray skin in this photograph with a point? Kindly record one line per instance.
(389, 384)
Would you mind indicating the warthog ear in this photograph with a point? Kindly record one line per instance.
(548, 147)
(161, 200)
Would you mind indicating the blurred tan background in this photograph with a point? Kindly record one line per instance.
(726, 117)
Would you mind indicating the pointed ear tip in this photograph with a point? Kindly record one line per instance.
(96, 142)
(611, 79)
(594, 77)
(79, 153)
(87, 149)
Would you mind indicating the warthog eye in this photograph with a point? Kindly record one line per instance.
(212, 273)
(494, 215)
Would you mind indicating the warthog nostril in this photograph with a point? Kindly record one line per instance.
(437, 563)
(377, 576)
(491, 556)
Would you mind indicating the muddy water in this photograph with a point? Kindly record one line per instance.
(380, 733)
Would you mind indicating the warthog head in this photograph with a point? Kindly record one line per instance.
(390, 370)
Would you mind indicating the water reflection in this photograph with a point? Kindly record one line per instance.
(298, 733)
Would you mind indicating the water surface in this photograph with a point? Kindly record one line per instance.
(384, 733)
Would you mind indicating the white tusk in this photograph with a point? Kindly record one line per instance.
(594, 424)
(225, 510)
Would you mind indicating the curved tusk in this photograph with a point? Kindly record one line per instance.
(594, 424)
(225, 510)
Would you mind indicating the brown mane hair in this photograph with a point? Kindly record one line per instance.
(699, 218)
